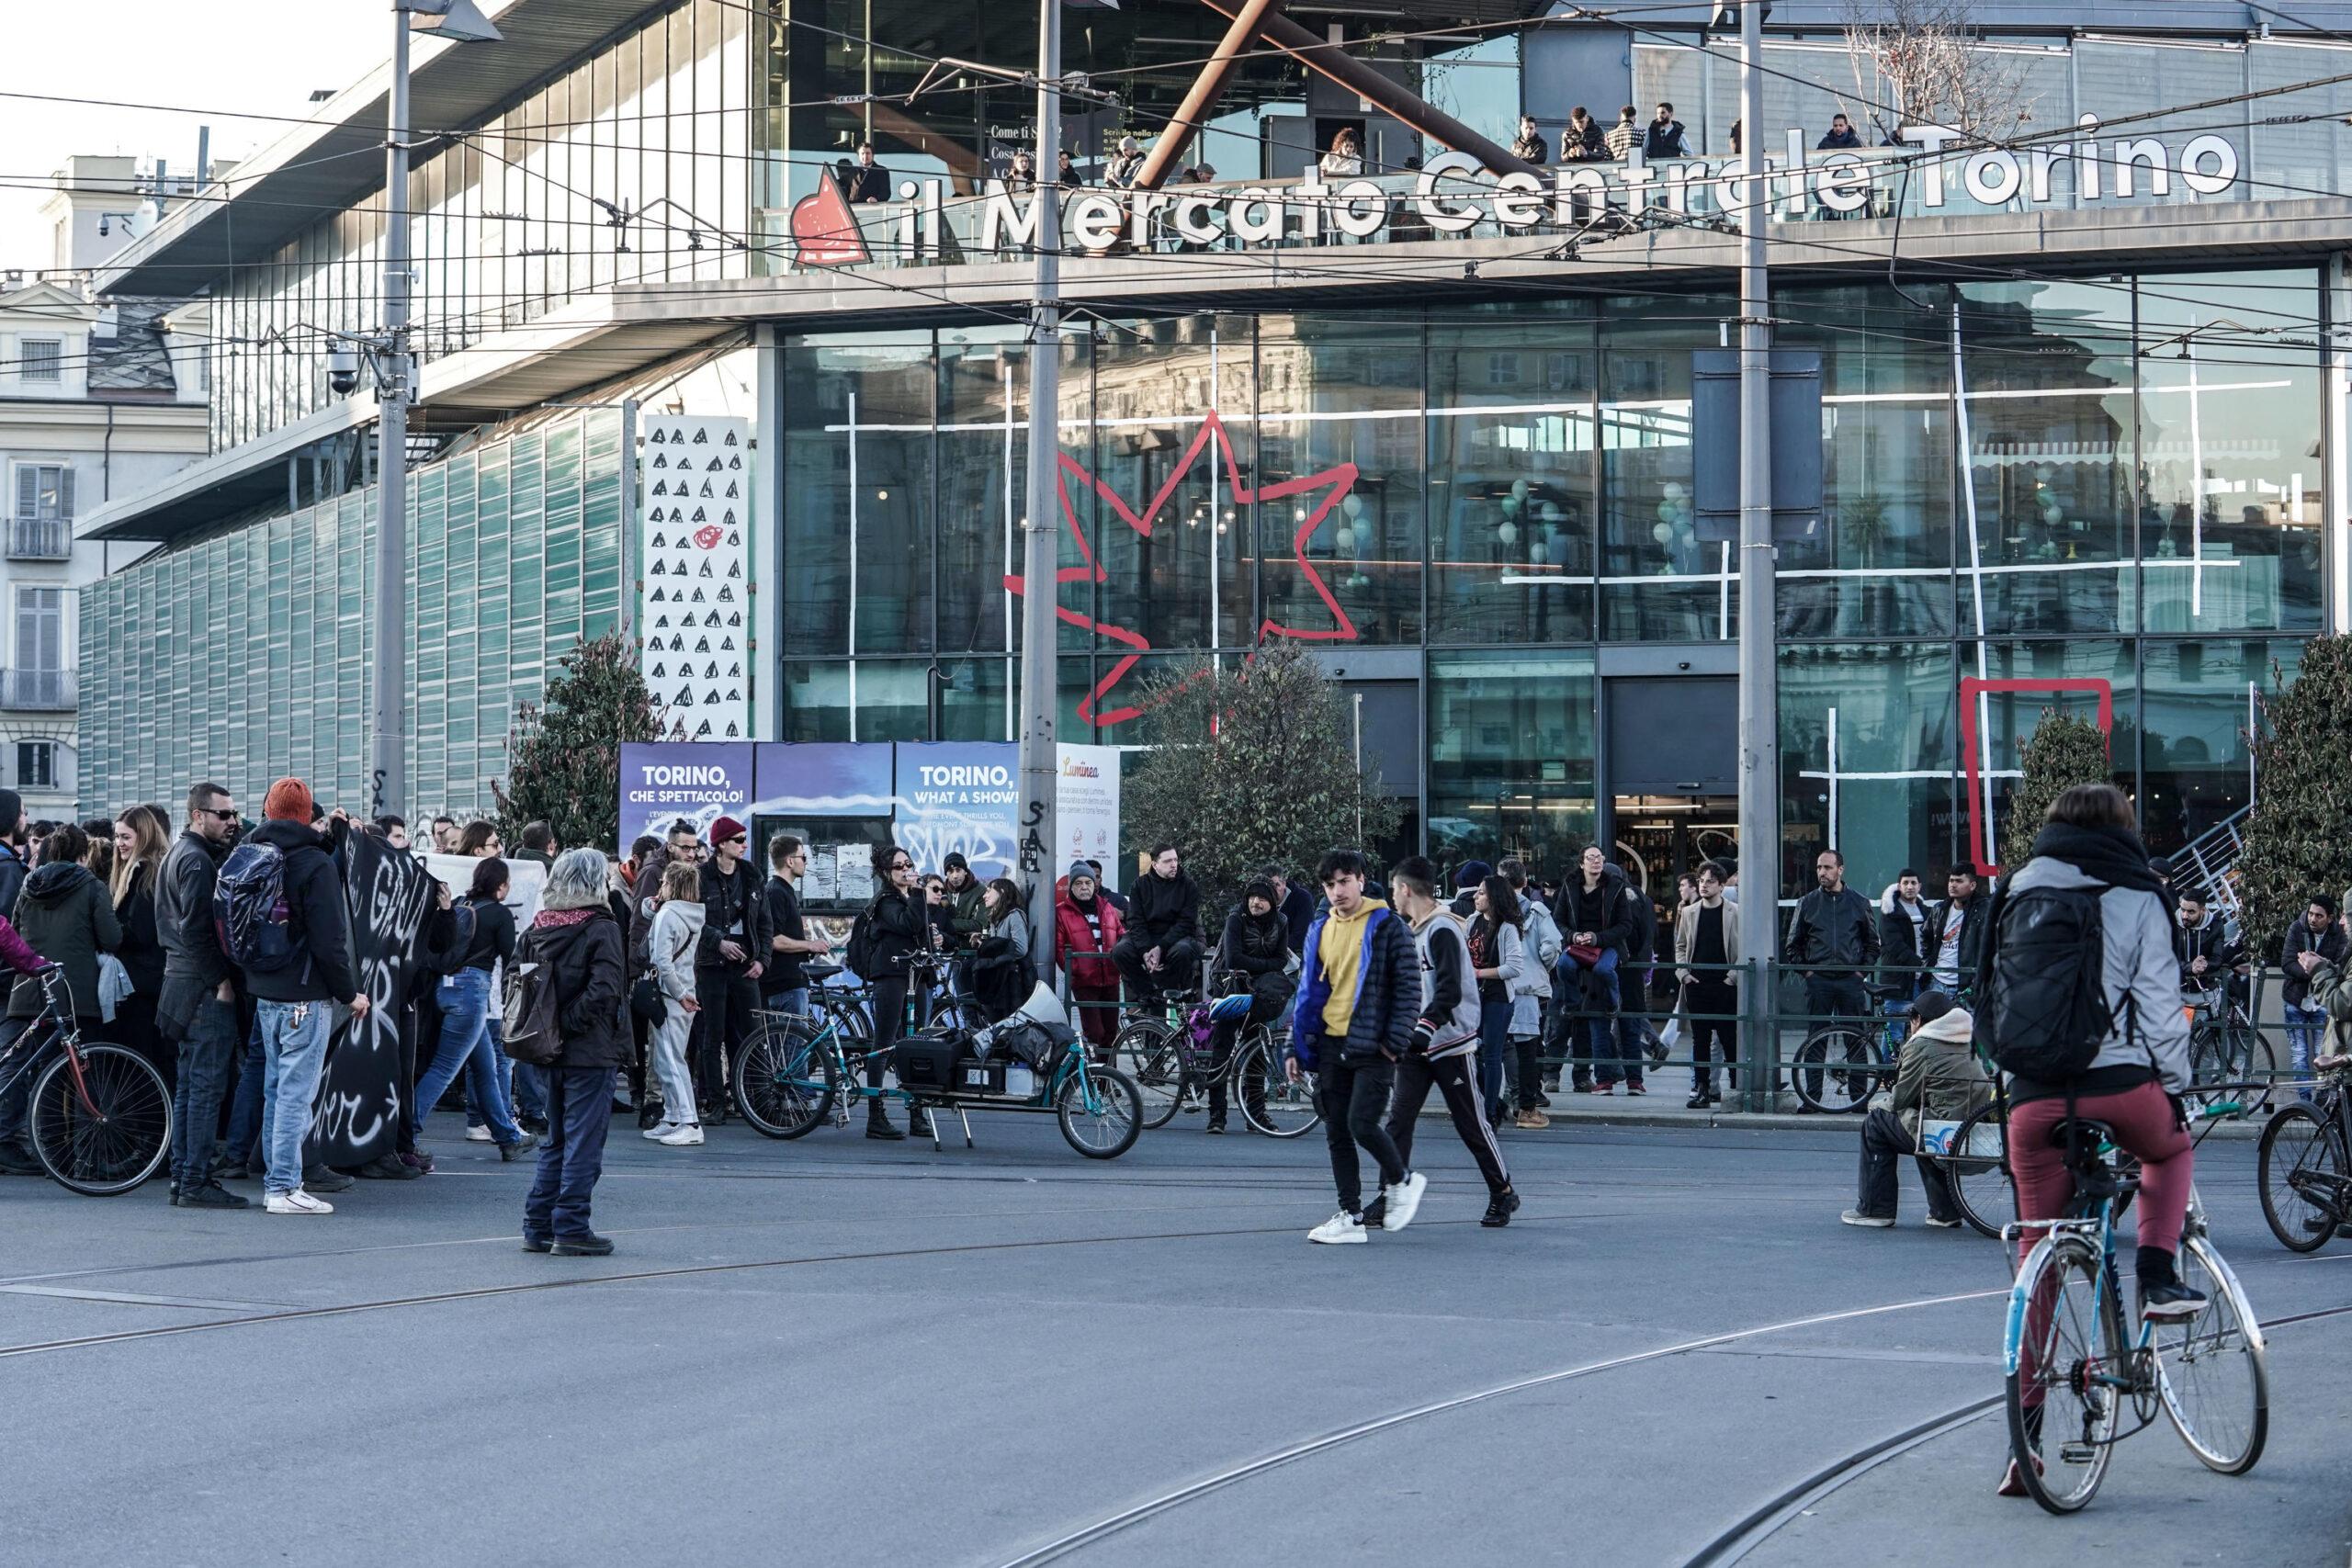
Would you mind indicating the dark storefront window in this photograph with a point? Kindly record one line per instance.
(857, 477)
(983, 458)
(2197, 711)
(2050, 673)
(1511, 744)
(1868, 750)
(1659, 580)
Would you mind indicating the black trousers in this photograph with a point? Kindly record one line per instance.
(889, 1016)
(1454, 1079)
(1179, 963)
(1355, 1099)
(728, 998)
(1884, 1140)
(1716, 1035)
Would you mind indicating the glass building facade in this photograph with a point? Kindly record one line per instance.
(244, 657)
(2114, 480)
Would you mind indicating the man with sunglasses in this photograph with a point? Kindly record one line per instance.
(901, 929)
(728, 963)
(198, 1006)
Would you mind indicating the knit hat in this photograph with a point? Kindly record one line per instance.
(1929, 1006)
(1473, 874)
(1259, 888)
(289, 800)
(726, 828)
(955, 862)
(1079, 868)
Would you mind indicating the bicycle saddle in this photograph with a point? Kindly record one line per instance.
(2094, 1133)
(819, 972)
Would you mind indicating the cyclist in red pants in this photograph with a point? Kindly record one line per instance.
(2135, 1080)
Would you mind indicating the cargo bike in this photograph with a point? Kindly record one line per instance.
(800, 1070)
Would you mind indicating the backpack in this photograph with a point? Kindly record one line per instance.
(250, 912)
(2043, 983)
(862, 950)
(528, 1029)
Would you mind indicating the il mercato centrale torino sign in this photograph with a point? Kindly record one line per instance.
(1446, 201)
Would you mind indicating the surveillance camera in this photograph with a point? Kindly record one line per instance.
(343, 369)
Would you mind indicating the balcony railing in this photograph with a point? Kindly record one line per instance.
(39, 539)
(38, 691)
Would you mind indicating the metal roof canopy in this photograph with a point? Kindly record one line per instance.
(335, 161)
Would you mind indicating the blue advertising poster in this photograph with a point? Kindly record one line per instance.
(821, 779)
(959, 795)
(663, 781)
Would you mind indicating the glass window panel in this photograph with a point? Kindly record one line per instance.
(1659, 581)
(2198, 708)
(2043, 537)
(861, 495)
(1510, 749)
(1867, 752)
(2007, 720)
(1878, 562)
(1511, 474)
(2230, 450)
(983, 454)
(1342, 557)
(976, 700)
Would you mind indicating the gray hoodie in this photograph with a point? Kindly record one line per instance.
(2137, 933)
(670, 944)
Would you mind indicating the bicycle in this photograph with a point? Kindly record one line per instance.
(2071, 1367)
(1169, 1059)
(2305, 1164)
(1841, 1064)
(99, 1115)
(2228, 1051)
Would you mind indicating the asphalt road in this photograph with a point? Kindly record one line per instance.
(842, 1352)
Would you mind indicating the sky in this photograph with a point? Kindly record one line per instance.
(251, 57)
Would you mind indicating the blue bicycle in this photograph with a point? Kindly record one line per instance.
(2072, 1368)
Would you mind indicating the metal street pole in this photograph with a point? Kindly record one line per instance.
(1040, 636)
(387, 712)
(1759, 743)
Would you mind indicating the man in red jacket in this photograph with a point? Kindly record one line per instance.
(1085, 930)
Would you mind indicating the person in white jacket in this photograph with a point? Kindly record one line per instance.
(670, 944)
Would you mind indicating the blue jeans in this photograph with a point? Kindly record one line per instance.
(580, 1112)
(2306, 1029)
(294, 1053)
(211, 1040)
(1494, 1045)
(465, 1047)
(244, 1109)
(1573, 987)
(522, 1087)
(794, 1000)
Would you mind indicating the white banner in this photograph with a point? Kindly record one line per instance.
(1086, 808)
(697, 479)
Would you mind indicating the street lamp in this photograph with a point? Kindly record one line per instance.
(461, 22)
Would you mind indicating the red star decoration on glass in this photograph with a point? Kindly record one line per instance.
(1333, 482)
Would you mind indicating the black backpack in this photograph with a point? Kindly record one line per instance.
(861, 954)
(2041, 986)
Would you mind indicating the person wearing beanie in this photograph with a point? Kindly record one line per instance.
(1466, 882)
(293, 1011)
(1255, 949)
(1086, 927)
(966, 919)
(729, 958)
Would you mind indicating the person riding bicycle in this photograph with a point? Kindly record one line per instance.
(2136, 1070)
(1256, 945)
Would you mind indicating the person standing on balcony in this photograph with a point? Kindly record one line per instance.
(1839, 135)
(1345, 160)
(1126, 164)
(867, 181)
(1529, 146)
(1625, 135)
(1665, 137)
(1583, 140)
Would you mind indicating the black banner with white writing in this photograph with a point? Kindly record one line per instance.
(388, 893)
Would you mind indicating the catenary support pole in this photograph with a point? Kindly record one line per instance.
(388, 711)
(1759, 746)
(1040, 637)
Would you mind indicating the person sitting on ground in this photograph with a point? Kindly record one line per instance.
(1937, 1078)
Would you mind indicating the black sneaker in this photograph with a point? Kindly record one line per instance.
(389, 1168)
(518, 1148)
(1699, 1101)
(588, 1245)
(210, 1195)
(14, 1161)
(2170, 1302)
(1501, 1207)
(1216, 1124)
(175, 1195)
(323, 1179)
(535, 1243)
(1376, 1214)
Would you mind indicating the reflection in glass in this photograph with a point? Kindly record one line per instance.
(1510, 742)
(2201, 695)
(1867, 747)
(857, 494)
(2007, 720)
(1660, 582)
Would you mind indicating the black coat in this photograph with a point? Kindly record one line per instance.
(901, 928)
(322, 969)
(1971, 932)
(141, 952)
(64, 913)
(1607, 911)
(1298, 913)
(1902, 945)
(1162, 912)
(2330, 946)
(12, 878)
(866, 182)
(1255, 945)
(194, 963)
(590, 976)
(724, 899)
(1835, 933)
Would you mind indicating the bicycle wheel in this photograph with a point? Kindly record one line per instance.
(1287, 1109)
(2304, 1183)
(2067, 1356)
(2213, 1370)
(1147, 1051)
(118, 1138)
(1977, 1171)
(2230, 1052)
(784, 1082)
(1101, 1117)
(1836, 1070)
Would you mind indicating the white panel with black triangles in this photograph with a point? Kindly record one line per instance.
(697, 476)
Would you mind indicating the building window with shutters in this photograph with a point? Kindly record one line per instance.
(38, 678)
(35, 764)
(41, 522)
(40, 358)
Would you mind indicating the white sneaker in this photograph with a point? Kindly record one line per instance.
(1340, 1227)
(480, 1134)
(1403, 1201)
(659, 1130)
(688, 1136)
(1867, 1222)
(297, 1203)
